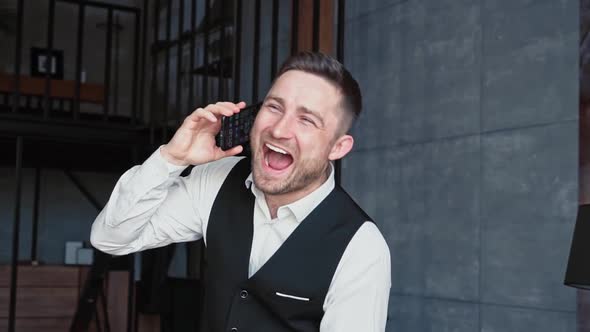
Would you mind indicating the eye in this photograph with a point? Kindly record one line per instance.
(308, 121)
(273, 107)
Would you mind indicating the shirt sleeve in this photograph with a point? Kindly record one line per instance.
(152, 206)
(358, 296)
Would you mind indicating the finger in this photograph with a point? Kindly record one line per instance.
(197, 110)
(229, 105)
(204, 114)
(212, 108)
(195, 115)
(231, 152)
(201, 113)
(221, 110)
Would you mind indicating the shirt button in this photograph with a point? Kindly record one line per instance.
(243, 294)
(234, 329)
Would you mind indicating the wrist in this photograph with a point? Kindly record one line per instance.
(170, 158)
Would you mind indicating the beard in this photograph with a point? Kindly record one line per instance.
(304, 172)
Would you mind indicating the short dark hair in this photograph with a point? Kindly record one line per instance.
(332, 70)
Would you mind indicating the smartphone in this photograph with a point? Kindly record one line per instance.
(235, 130)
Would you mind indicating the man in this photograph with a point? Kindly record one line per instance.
(287, 250)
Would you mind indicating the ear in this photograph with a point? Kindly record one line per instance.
(341, 147)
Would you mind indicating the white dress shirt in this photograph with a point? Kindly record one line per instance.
(152, 206)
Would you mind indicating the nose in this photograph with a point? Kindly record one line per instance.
(282, 128)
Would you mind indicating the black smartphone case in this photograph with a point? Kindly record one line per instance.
(235, 130)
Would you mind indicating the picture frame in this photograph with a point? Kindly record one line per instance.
(40, 63)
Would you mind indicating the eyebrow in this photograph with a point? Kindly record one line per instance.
(301, 109)
(312, 112)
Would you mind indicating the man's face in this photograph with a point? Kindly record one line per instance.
(295, 134)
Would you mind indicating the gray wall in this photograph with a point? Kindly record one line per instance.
(466, 156)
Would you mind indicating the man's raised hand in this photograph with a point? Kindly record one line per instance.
(194, 142)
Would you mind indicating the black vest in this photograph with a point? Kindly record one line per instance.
(303, 266)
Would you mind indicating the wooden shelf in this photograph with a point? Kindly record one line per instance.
(47, 297)
(64, 89)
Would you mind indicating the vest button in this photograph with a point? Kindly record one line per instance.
(234, 329)
(243, 294)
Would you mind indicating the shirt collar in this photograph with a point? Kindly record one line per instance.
(302, 207)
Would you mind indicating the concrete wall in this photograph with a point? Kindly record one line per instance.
(471, 112)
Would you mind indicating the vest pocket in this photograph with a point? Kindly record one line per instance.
(293, 302)
(293, 297)
(295, 307)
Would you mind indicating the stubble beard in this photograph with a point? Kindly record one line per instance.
(304, 173)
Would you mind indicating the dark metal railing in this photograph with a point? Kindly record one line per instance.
(79, 46)
(205, 78)
(50, 27)
(35, 131)
(15, 234)
(46, 99)
(107, 66)
(167, 69)
(274, 48)
(256, 60)
(237, 49)
(18, 54)
(316, 26)
(294, 26)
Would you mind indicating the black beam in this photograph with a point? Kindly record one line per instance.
(220, 77)
(84, 191)
(275, 39)
(340, 27)
(179, 50)
(316, 26)
(17, 57)
(19, 159)
(131, 303)
(50, 28)
(205, 85)
(131, 294)
(294, 26)
(35, 227)
(73, 132)
(167, 71)
(256, 57)
(91, 157)
(135, 83)
(153, 83)
(116, 70)
(15, 233)
(79, 47)
(107, 66)
(237, 50)
(191, 78)
(340, 57)
(103, 5)
(145, 17)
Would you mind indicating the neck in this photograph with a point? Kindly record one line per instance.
(274, 202)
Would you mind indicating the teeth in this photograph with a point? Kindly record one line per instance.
(275, 149)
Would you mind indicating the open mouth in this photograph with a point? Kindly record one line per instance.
(276, 158)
